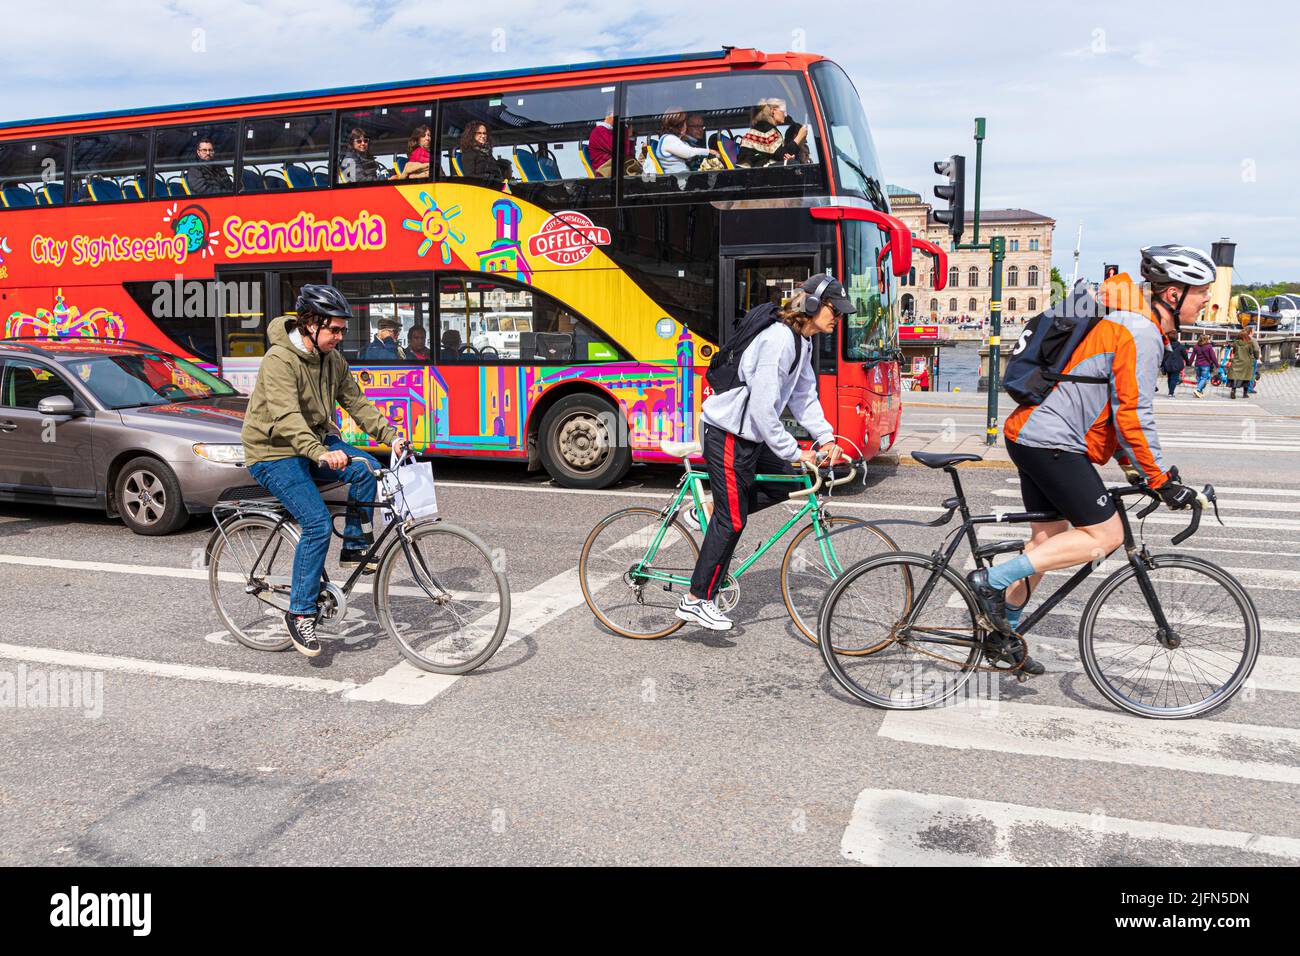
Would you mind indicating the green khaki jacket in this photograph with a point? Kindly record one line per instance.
(291, 410)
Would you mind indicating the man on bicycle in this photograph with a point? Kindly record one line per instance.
(290, 442)
(743, 435)
(1055, 443)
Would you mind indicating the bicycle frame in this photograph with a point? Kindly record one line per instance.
(1137, 558)
(691, 483)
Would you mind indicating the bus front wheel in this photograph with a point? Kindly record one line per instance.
(582, 445)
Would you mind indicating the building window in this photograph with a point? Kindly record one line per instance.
(911, 276)
(954, 277)
(1013, 245)
(194, 160)
(1033, 304)
(952, 305)
(973, 277)
(375, 144)
(286, 152)
(972, 306)
(1011, 305)
(1033, 276)
(31, 173)
(110, 167)
(1013, 277)
(489, 321)
(934, 306)
(1033, 245)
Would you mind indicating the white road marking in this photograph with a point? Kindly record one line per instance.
(132, 665)
(1282, 507)
(900, 828)
(404, 683)
(1073, 733)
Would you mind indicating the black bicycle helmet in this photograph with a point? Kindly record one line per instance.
(324, 301)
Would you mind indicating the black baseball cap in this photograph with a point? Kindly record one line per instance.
(832, 293)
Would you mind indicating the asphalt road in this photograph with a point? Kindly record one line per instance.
(576, 746)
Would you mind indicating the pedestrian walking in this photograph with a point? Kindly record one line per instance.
(1204, 359)
(1173, 363)
(1241, 364)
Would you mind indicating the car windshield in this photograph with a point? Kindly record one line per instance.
(147, 378)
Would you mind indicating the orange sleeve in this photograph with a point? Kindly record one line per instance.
(1136, 369)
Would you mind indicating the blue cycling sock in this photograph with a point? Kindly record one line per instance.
(1013, 617)
(1009, 572)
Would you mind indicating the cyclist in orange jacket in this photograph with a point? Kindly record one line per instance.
(1055, 443)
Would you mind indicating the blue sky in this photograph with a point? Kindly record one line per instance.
(1151, 123)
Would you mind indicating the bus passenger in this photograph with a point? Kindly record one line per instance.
(672, 151)
(383, 347)
(476, 159)
(694, 137)
(416, 344)
(206, 178)
(763, 143)
(417, 154)
(355, 162)
(600, 147)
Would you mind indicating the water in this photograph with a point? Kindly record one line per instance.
(959, 367)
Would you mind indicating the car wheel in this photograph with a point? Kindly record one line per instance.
(148, 497)
(582, 445)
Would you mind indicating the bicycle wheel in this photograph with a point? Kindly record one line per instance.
(622, 572)
(1212, 617)
(442, 598)
(805, 574)
(250, 620)
(895, 634)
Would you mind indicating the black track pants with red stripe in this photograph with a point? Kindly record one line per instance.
(732, 463)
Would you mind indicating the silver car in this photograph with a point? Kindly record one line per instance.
(137, 432)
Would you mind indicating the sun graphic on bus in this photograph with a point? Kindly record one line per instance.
(435, 229)
(193, 223)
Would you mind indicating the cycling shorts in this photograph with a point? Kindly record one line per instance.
(1061, 481)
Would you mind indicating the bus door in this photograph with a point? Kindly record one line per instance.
(751, 280)
(249, 299)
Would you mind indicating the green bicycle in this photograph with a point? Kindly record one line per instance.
(637, 562)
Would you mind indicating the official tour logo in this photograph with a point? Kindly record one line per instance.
(567, 238)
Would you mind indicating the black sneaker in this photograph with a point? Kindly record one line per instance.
(351, 557)
(992, 601)
(302, 631)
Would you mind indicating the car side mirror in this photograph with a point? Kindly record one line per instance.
(57, 406)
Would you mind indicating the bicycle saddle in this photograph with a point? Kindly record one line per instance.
(681, 449)
(931, 460)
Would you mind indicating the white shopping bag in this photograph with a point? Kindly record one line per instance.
(417, 496)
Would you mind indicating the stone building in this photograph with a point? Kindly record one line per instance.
(1026, 271)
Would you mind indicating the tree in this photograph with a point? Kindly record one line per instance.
(1059, 288)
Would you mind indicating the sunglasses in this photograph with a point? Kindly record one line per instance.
(336, 329)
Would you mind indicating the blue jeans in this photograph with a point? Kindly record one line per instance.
(1203, 373)
(293, 481)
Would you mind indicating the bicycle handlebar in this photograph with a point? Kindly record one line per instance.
(820, 482)
(1206, 496)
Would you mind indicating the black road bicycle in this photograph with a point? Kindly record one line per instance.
(1165, 636)
(437, 590)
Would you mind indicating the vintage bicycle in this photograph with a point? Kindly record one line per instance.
(438, 592)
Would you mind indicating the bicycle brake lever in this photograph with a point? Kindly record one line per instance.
(1213, 499)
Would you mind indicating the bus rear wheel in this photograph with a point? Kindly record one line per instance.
(581, 444)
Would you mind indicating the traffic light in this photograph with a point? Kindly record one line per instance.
(1108, 270)
(954, 217)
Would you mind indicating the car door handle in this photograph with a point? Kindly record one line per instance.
(8, 426)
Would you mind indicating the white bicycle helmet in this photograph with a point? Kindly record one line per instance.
(1184, 264)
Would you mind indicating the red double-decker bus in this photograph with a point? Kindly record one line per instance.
(540, 271)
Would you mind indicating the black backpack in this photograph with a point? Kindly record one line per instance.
(1045, 347)
(724, 368)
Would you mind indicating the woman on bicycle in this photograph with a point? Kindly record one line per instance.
(742, 433)
(290, 441)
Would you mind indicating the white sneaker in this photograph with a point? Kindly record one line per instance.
(691, 518)
(703, 613)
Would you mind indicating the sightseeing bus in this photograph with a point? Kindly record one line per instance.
(553, 301)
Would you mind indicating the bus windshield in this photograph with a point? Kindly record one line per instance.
(857, 171)
(130, 381)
